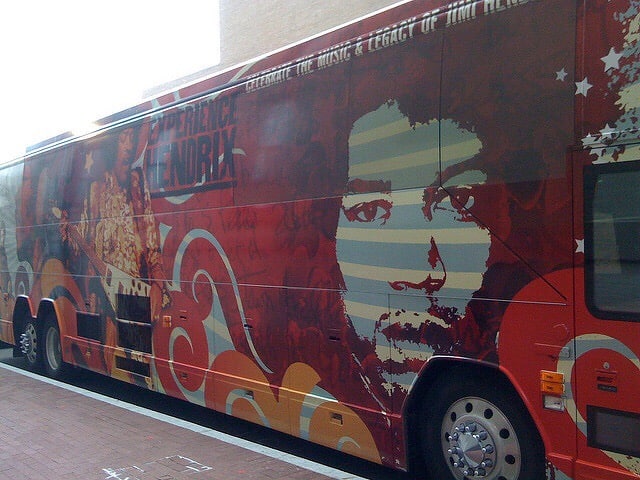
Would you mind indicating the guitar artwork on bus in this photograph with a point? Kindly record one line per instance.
(114, 281)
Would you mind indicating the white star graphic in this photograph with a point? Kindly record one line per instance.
(589, 140)
(599, 153)
(612, 60)
(579, 246)
(583, 87)
(608, 131)
(561, 75)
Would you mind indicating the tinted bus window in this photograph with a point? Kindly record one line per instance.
(612, 231)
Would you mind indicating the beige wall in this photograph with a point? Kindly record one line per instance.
(250, 28)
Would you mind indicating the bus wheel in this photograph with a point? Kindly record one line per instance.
(53, 364)
(476, 429)
(29, 344)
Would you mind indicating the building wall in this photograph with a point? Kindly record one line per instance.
(249, 28)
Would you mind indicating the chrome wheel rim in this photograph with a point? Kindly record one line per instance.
(478, 441)
(29, 342)
(53, 349)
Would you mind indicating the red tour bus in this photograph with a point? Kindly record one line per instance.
(414, 239)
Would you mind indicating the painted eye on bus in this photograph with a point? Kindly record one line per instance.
(370, 211)
(455, 201)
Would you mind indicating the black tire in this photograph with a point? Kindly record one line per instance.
(30, 344)
(54, 366)
(478, 428)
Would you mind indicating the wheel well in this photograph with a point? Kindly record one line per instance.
(21, 312)
(434, 372)
(46, 309)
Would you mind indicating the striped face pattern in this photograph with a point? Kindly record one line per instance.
(409, 252)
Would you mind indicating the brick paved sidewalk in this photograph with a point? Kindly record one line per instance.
(53, 433)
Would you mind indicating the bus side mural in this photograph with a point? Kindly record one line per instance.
(400, 241)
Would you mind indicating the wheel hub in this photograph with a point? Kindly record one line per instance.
(28, 342)
(472, 450)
